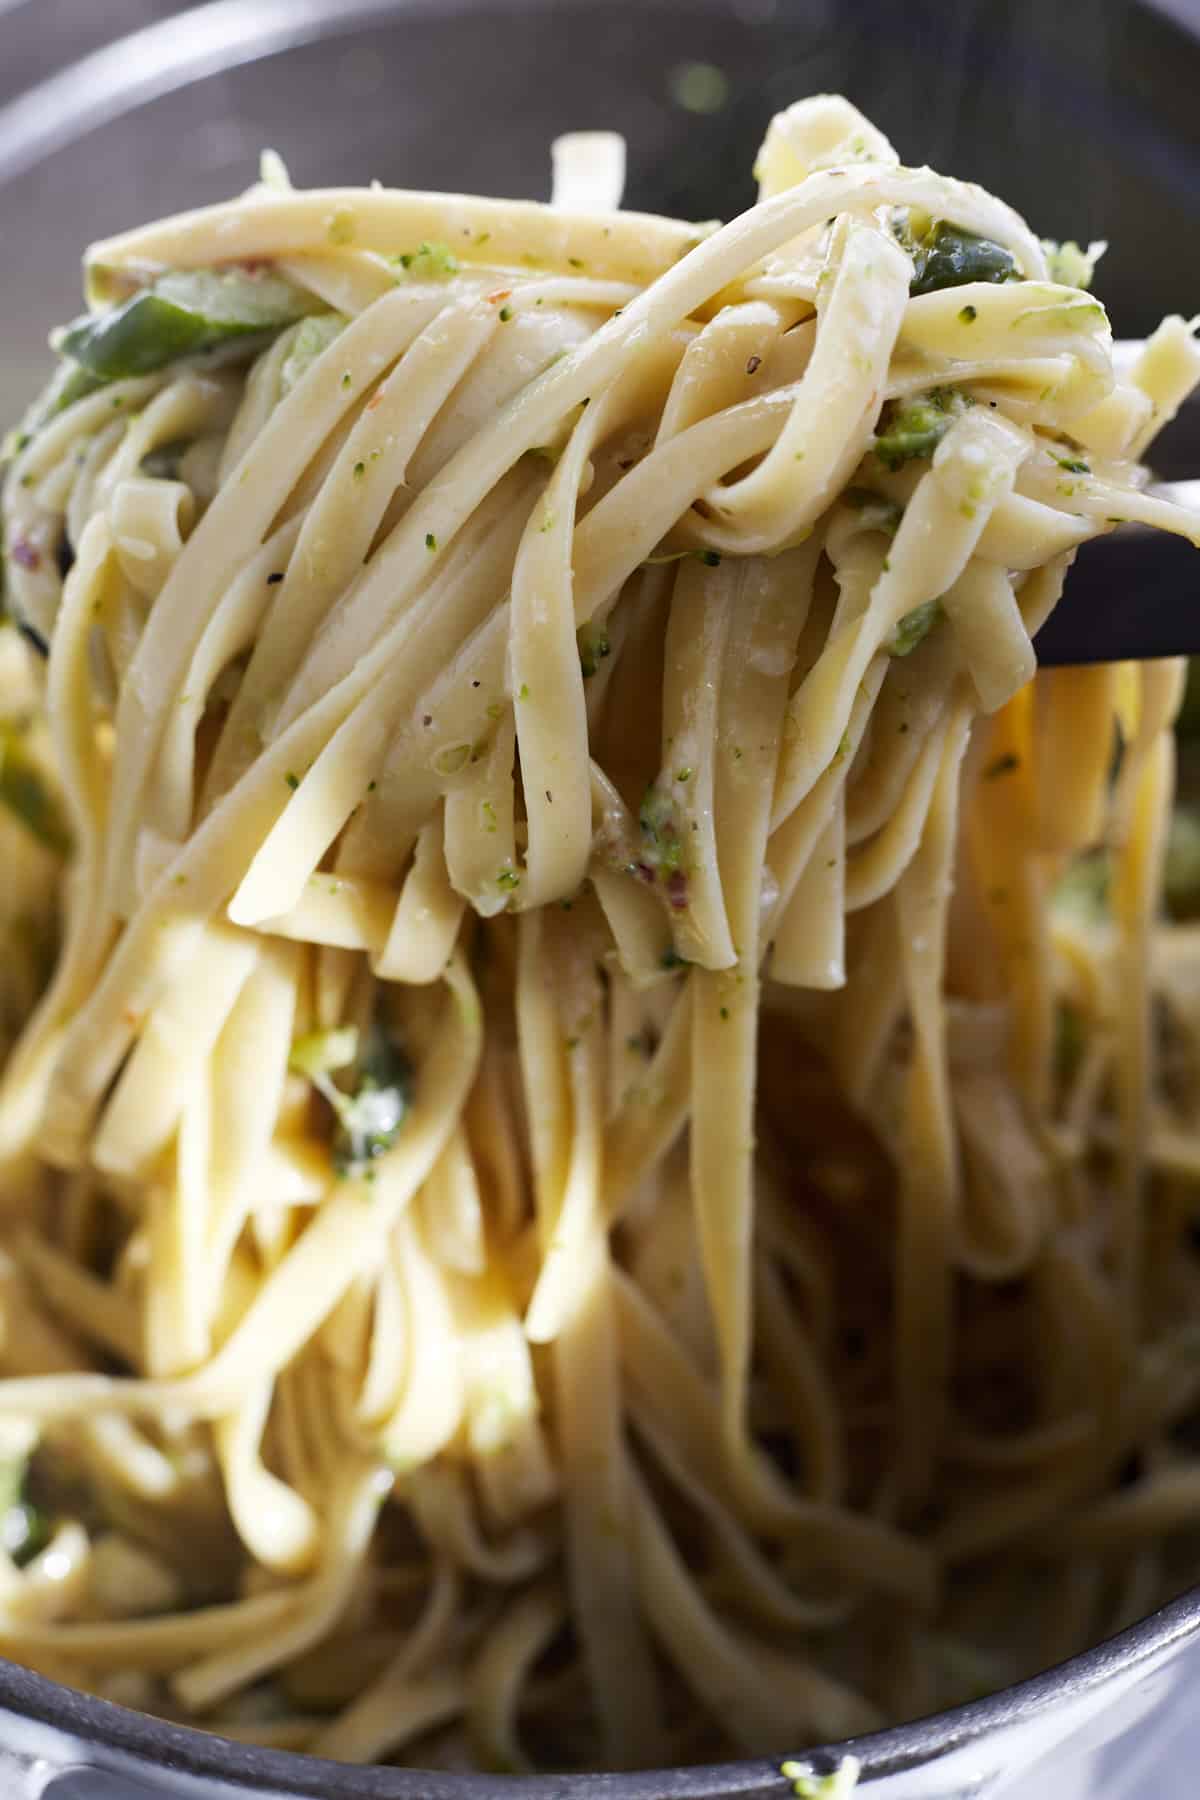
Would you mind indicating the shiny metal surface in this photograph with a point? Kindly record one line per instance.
(1084, 115)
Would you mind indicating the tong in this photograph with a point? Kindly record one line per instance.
(1132, 594)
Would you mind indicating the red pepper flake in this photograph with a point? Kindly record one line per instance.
(375, 400)
(25, 554)
(500, 294)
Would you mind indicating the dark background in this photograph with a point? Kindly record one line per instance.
(1085, 115)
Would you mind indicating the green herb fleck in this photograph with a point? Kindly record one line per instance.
(293, 781)
(506, 313)
(25, 1527)
(370, 1112)
(914, 627)
(1002, 765)
(911, 428)
(431, 542)
(508, 879)
(429, 262)
(967, 315)
(948, 256)
(594, 646)
(661, 854)
(838, 1785)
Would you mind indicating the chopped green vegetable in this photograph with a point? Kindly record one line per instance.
(946, 255)
(1071, 266)
(594, 646)
(183, 314)
(508, 879)
(24, 1532)
(661, 856)
(914, 627)
(24, 791)
(662, 841)
(839, 1784)
(313, 335)
(370, 1113)
(24, 1526)
(911, 428)
(429, 262)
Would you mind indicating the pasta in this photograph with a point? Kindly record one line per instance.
(598, 1131)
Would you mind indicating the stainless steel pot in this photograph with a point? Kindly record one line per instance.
(1084, 114)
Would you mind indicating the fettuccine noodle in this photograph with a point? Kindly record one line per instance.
(575, 1194)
